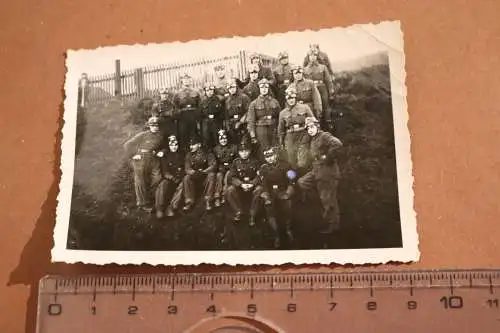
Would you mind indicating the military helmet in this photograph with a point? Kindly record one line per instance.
(244, 146)
(254, 56)
(314, 46)
(172, 139)
(297, 68)
(163, 91)
(272, 151)
(253, 68)
(233, 83)
(209, 86)
(282, 55)
(153, 121)
(221, 134)
(186, 76)
(219, 67)
(291, 92)
(194, 140)
(264, 83)
(313, 52)
(309, 121)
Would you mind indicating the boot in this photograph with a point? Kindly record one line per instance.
(188, 206)
(251, 223)
(170, 211)
(330, 228)
(208, 206)
(237, 217)
(217, 202)
(289, 233)
(159, 214)
(223, 200)
(274, 226)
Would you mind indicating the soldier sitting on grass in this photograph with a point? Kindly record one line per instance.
(225, 154)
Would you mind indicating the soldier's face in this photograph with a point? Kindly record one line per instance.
(271, 159)
(255, 61)
(154, 128)
(232, 90)
(313, 57)
(186, 82)
(312, 130)
(223, 141)
(220, 73)
(254, 75)
(194, 147)
(244, 154)
(284, 61)
(174, 146)
(163, 95)
(298, 76)
(264, 90)
(291, 101)
(209, 92)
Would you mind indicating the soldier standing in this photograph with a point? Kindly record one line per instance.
(199, 166)
(164, 109)
(236, 108)
(284, 76)
(225, 154)
(264, 72)
(322, 57)
(143, 148)
(221, 81)
(292, 130)
(212, 115)
(277, 183)
(262, 117)
(170, 188)
(325, 173)
(251, 89)
(243, 179)
(307, 92)
(321, 77)
(187, 102)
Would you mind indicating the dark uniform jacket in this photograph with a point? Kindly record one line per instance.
(292, 119)
(146, 142)
(322, 59)
(264, 72)
(274, 177)
(284, 76)
(163, 108)
(319, 74)
(225, 156)
(200, 161)
(309, 94)
(212, 108)
(244, 172)
(221, 87)
(172, 165)
(252, 90)
(264, 111)
(187, 99)
(325, 144)
(236, 106)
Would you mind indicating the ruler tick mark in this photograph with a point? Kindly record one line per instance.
(172, 293)
(491, 285)
(232, 285)
(470, 280)
(371, 287)
(331, 287)
(291, 288)
(133, 289)
(251, 288)
(451, 284)
(411, 286)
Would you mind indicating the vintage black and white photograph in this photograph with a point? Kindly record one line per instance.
(284, 148)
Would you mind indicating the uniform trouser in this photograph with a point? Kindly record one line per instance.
(163, 191)
(327, 113)
(266, 135)
(297, 149)
(147, 175)
(187, 127)
(323, 179)
(209, 130)
(280, 95)
(208, 183)
(221, 184)
(277, 203)
(237, 135)
(234, 195)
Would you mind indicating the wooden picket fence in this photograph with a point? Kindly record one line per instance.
(147, 81)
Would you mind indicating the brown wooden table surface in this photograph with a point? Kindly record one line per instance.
(452, 63)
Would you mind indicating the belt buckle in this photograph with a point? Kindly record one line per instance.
(226, 164)
(211, 116)
(286, 81)
(236, 116)
(296, 126)
(268, 117)
(246, 179)
(275, 187)
(300, 102)
(188, 106)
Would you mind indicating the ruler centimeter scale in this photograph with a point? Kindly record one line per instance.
(375, 301)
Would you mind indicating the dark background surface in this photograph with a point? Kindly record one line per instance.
(452, 63)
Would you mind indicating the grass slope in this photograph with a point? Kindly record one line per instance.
(103, 215)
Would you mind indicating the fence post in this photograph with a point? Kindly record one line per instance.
(118, 79)
(139, 82)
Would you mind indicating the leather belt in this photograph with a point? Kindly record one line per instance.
(295, 128)
(318, 81)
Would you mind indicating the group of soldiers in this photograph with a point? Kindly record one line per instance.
(262, 140)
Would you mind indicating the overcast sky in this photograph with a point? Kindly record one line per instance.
(340, 43)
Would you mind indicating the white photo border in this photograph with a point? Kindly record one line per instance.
(389, 34)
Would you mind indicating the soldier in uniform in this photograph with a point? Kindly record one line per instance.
(236, 108)
(224, 153)
(277, 187)
(321, 77)
(264, 71)
(187, 101)
(164, 109)
(322, 58)
(251, 88)
(324, 173)
(307, 92)
(212, 116)
(243, 179)
(142, 148)
(262, 118)
(292, 130)
(221, 81)
(284, 76)
(170, 187)
(200, 165)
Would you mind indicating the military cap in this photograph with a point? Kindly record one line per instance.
(194, 140)
(270, 152)
(172, 139)
(221, 134)
(219, 67)
(282, 55)
(244, 146)
(209, 86)
(153, 121)
(291, 92)
(163, 91)
(232, 83)
(313, 52)
(254, 56)
(314, 46)
(297, 68)
(309, 121)
(264, 83)
(186, 76)
(253, 68)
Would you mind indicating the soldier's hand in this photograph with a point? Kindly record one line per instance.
(160, 154)
(136, 157)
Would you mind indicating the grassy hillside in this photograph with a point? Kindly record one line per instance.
(104, 217)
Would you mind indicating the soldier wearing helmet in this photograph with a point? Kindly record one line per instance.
(187, 102)
(292, 133)
(225, 154)
(142, 148)
(307, 92)
(200, 165)
(164, 109)
(262, 117)
(236, 107)
(242, 180)
(283, 74)
(322, 57)
(170, 188)
(221, 81)
(212, 116)
(263, 71)
(324, 172)
(251, 88)
(321, 77)
(277, 187)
